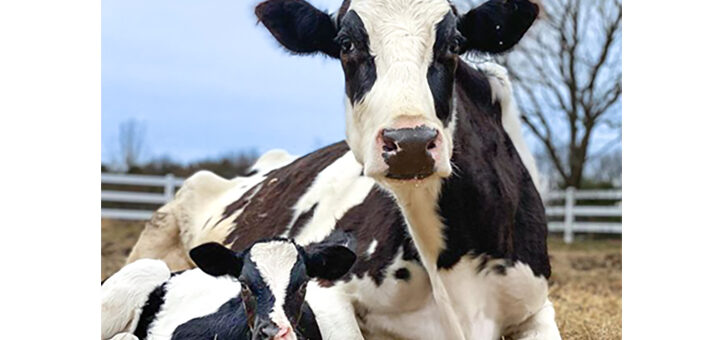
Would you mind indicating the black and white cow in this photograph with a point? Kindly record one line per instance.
(435, 181)
(259, 293)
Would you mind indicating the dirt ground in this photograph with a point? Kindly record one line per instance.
(585, 287)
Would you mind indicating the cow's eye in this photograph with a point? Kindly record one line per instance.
(457, 45)
(346, 45)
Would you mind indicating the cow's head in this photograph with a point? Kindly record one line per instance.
(274, 274)
(399, 59)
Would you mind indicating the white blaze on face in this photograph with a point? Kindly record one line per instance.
(401, 39)
(274, 260)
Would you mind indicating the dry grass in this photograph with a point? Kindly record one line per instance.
(118, 238)
(585, 287)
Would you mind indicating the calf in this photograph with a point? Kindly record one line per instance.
(259, 293)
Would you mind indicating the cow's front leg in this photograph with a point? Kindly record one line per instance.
(540, 326)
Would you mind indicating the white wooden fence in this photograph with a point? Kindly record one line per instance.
(168, 182)
(569, 211)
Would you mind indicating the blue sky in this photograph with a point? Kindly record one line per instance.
(204, 79)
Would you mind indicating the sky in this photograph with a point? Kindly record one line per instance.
(204, 80)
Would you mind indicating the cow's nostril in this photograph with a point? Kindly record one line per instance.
(389, 144)
(431, 145)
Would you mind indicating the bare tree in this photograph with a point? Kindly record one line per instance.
(131, 143)
(567, 74)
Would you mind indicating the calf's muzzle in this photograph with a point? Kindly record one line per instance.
(268, 330)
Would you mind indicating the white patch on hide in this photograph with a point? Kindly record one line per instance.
(124, 293)
(335, 190)
(274, 260)
(189, 295)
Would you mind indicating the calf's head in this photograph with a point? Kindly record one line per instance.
(274, 274)
(399, 58)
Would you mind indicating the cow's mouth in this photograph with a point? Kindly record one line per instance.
(408, 177)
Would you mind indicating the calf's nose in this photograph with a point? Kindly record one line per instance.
(268, 331)
(408, 152)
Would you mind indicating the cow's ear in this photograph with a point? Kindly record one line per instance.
(299, 26)
(216, 260)
(497, 25)
(329, 262)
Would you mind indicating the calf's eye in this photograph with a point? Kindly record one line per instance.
(244, 291)
(249, 303)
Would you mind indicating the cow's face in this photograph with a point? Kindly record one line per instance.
(399, 58)
(274, 275)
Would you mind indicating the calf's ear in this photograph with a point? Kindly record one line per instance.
(299, 26)
(216, 260)
(329, 262)
(497, 25)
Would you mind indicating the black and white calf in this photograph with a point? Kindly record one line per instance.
(259, 293)
(435, 181)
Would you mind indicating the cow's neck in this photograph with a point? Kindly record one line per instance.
(418, 203)
(424, 204)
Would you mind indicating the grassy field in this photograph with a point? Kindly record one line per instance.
(585, 287)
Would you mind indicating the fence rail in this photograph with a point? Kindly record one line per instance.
(169, 183)
(569, 211)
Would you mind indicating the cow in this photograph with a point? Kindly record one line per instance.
(259, 293)
(434, 179)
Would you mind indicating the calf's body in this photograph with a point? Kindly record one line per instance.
(259, 293)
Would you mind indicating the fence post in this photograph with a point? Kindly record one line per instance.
(569, 217)
(169, 187)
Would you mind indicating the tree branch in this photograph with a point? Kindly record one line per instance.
(549, 148)
(609, 38)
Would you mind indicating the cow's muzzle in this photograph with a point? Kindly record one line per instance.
(408, 152)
